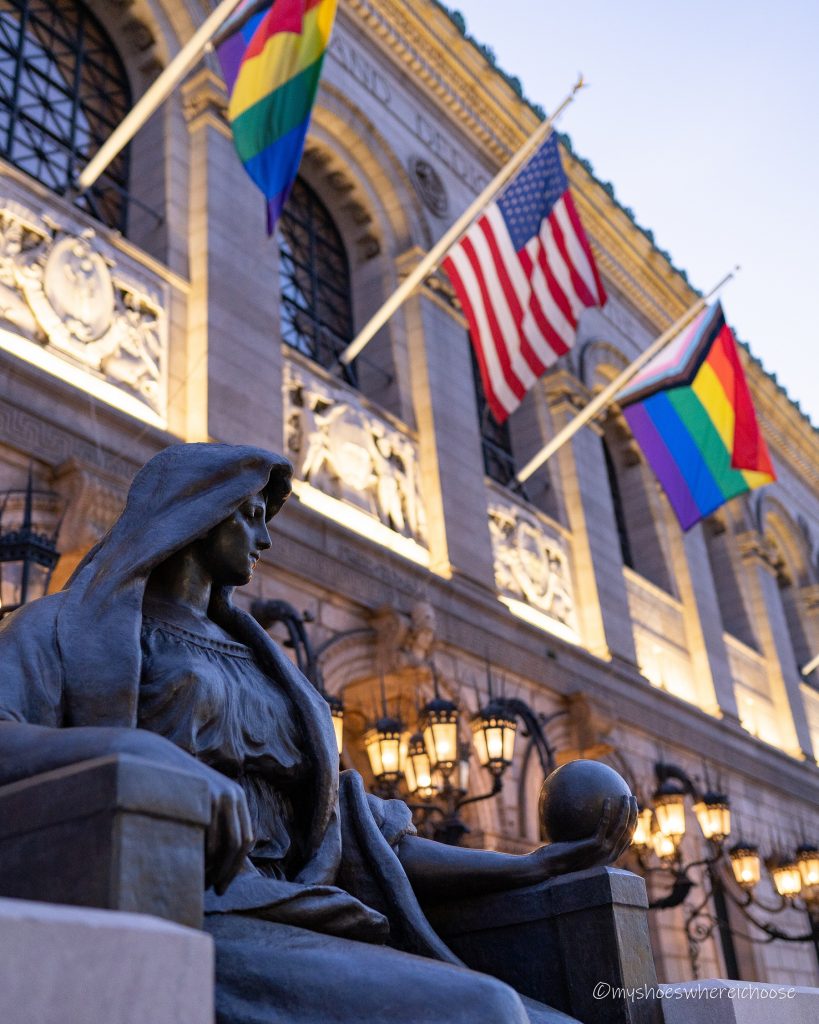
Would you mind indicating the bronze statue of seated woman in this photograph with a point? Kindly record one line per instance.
(313, 884)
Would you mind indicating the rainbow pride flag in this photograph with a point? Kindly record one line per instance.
(271, 65)
(691, 412)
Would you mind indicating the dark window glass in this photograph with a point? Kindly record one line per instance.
(63, 90)
(496, 442)
(316, 315)
(619, 508)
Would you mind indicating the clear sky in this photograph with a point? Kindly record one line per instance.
(704, 115)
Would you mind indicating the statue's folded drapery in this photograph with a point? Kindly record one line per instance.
(322, 925)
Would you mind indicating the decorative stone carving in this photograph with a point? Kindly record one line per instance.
(63, 290)
(531, 565)
(429, 186)
(93, 500)
(344, 449)
(405, 641)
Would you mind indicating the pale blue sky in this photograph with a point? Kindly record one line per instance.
(705, 118)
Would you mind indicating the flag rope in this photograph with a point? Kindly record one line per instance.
(438, 252)
(609, 393)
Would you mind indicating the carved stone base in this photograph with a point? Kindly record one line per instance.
(560, 941)
(117, 833)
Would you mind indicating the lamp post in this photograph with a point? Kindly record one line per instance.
(27, 555)
(795, 878)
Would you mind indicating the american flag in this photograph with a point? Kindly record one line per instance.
(523, 273)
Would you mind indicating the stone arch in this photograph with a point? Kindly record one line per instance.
(358, 144)
(778, 527)
(598, 363)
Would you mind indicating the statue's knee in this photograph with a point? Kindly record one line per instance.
(495, 1002)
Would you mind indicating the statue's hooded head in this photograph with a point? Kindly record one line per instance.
(175, 499)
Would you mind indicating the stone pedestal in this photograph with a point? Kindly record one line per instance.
(738, 1002)
(66, 965)
(115, 832)
(560, 941)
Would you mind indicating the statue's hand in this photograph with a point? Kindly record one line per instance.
(613, 835)
(229, 836)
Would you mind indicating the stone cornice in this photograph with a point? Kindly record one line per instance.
(790, 436)
(471, 93)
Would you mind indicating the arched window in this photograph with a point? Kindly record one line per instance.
(63, 89)
(314, 272)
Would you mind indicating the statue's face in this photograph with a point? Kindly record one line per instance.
(232, 549)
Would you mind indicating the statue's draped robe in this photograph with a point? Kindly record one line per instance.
(301, 932)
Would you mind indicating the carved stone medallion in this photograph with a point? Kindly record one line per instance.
(429, 186)
(78, 285)
(65, 290)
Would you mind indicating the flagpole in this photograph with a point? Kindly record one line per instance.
(158, 92)
(437, 253)
(610, 391)
(811, 665)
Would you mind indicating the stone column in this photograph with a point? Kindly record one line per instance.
(768, 617)
(450, 446)
(711, 670)
(808, 600)
(234, 366)
(602, 601)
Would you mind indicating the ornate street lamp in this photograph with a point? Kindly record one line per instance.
(669, 810)
(27, 555)
(386, 745)
(713, 813)
(418, 769)
(493, 733)
(793, 877)
(642, 833)
(786, 877)
(746, 865)
(807, 857)
(439, 726)
(665, 847)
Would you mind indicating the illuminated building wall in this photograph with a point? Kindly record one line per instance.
(193, 325)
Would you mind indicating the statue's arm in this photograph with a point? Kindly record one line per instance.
(437, 871)
(27, 750)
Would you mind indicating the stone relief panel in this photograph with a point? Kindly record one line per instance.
(341, 447)
(531, 564)
(64, 290)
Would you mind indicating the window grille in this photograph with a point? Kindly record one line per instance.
(316, 311)
(63, 89)
(496, 442)
(619, 508)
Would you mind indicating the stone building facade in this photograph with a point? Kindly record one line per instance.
(157, 310)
